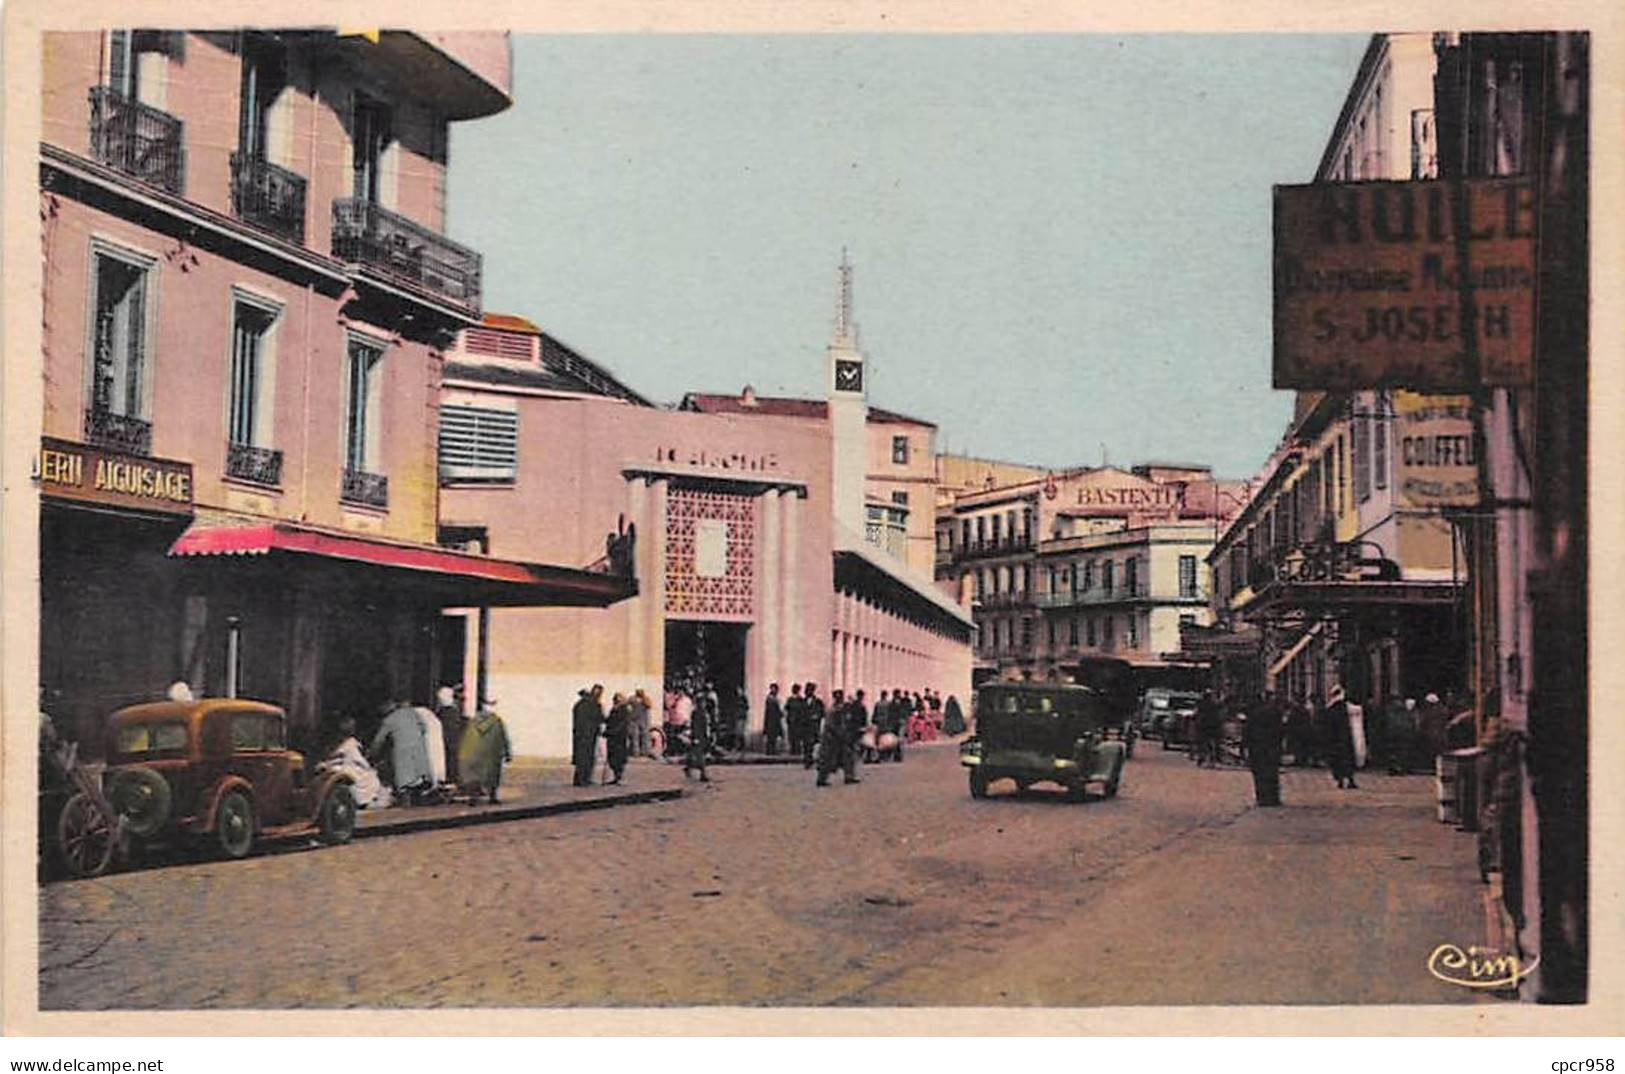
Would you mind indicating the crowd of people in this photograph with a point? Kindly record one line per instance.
(419, 757)
(1341, 735)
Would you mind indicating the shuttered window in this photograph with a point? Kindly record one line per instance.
(478, 444)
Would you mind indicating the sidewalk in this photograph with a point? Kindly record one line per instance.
(530, 788)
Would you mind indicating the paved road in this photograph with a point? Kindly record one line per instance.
(760, 889)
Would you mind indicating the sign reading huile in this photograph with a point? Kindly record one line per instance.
(1383, 284)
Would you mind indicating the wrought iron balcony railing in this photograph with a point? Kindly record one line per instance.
(120, 432)
(137, 139)
(268, 196)
(262, 466)
(365, 233)
(369, 490)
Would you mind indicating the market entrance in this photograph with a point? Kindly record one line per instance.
(701, 651)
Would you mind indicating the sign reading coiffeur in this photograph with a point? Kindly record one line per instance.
(1436, 465)
(82, 472)
(1386, 284)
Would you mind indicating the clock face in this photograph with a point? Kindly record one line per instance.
(849, 376)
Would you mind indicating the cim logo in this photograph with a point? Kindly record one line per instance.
(1478, 967)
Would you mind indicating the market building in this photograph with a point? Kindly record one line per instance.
(753, 563)
(1086, 562)
(246, 294)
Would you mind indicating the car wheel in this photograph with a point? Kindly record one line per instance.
(142, 797)
(978, 783)
(337, 819)
(85, 836)
(234, 824)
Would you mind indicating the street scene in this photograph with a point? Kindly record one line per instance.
(763, 521)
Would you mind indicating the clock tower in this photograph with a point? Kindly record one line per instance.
(848, 387)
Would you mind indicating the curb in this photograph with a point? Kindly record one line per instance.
(497, 816)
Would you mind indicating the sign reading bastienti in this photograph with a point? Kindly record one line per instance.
(1381, 284)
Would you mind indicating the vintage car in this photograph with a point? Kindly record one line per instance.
(1050, 732)
(1170, 715)
(220, 769)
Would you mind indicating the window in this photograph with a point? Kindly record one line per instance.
(1052, 633)
(1026, 633)
(899, 450)
(981, 584)
(119, 353)
(1187, 619)
(1106, 631)
(900, 499)
(370, 138)
(265, 76)
(1026, 578)
(1131, 576)
(1131, 632)
(1072, 632)
(995, 530)
(1088, 576)
(478, 443)
(247, 422)
(1010, 531)
(1360, 448)
(255, 731)
(1379, 444)
(361, 403)
(1187, 576)
(964, 534)
(1090, 625)
(1341, 470)
(1052, 580)
(1106, 572)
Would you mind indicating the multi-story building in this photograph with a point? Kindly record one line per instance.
(247, 285)
(750, 569)
(1346, 555)
(1086, 562)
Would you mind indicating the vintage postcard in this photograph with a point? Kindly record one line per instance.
(765, 517)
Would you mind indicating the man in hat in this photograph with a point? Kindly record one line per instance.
(586, 721)
(812, 723)
(1263, 738)
(1340, 739)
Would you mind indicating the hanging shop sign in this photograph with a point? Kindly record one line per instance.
(90, 474)
(1434, 461)
(1383, 284)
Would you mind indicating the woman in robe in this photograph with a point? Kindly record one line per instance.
(483, 750)
(347, 758)
(953, 720)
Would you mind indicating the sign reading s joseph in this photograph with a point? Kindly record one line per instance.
(1433, 450)
(1383, 284)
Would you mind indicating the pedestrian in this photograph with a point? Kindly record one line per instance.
(1209, 725)
(484, 749)
(772, 720)
(700, 723)
(617, 735)
(1300, 733)
(347, 759)
(1263, 734)
(795, 718)
(812, 724)
(402, 732)
(449, 711)
(640, 722)
(953, 717)
(586, 721)
(1339, 739)
(832, 744)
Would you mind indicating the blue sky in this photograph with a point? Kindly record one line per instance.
(1061, 242)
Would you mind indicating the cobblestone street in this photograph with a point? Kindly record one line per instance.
(760, 889)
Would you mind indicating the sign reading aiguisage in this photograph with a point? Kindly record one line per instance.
(94, 475)
(1388, 284)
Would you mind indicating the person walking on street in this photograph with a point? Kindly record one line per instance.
(640, 722)
(586, 721)
(1263, 734)
(856, 722)
(1340, 739)
(484, 749)
(795, 718)
(953, 717)
(1209, 725)
(832, 747)
(772, 720)
(618, 736)
(699, 735)
(812, 724)
(450, 714)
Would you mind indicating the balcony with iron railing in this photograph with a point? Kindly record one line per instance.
(268, 196)
(367, 234)
(137, 139)
(365, 489)
(260, 466)
(982, 549)
(118, 432)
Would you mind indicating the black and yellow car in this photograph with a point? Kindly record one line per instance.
(1043, 732)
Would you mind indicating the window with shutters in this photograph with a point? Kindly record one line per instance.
(899, 450)
(119, 352)
(478, 444)
(1379, 443)
(1187, 576)
(1360, 448)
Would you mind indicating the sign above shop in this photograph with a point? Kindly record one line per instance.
(70, 471)
(1129, 497)
(748, 461)
(1433, 447)
(1388, 284)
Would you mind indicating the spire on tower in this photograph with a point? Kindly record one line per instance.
(846, 333)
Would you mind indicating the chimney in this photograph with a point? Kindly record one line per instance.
(748, 396)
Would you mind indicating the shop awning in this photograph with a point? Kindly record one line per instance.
(437, 575)
(1294, 597)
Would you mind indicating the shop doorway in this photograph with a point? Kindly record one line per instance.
(700, 651)
(451, 651)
